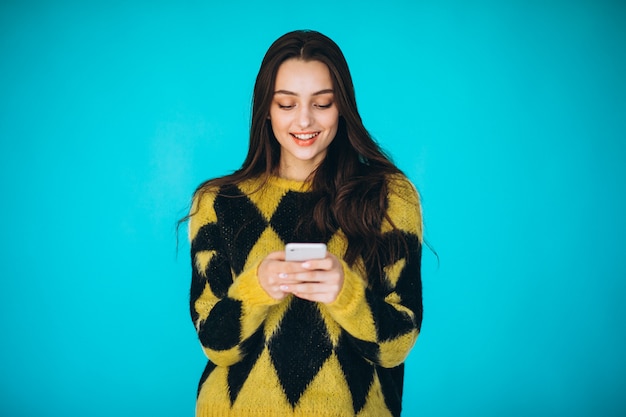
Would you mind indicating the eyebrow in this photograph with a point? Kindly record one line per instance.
(291, 93)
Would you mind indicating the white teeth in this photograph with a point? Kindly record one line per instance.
(306, 137)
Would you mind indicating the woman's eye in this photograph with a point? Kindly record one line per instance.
(285, 106)
(323, 106)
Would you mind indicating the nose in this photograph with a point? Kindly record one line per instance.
(304, 117)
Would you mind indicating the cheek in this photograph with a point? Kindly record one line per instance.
(277, 121)
(331, 121)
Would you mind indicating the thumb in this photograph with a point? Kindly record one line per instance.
(277, 256)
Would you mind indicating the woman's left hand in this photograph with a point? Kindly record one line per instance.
(316, 280)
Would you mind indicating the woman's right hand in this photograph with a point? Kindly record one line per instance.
(272, 273)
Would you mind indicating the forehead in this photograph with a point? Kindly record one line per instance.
(301, 76)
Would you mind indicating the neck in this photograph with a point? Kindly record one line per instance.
(295, 173)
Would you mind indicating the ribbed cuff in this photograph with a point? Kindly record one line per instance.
(247, 289)
(351, 294)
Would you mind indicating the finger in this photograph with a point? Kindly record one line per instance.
(323, 297)
(307, 276)
(278, 255)
(278, 296)
(310, 288)
(328, 277)
(321, 264)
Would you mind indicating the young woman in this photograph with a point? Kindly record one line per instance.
(321, 337)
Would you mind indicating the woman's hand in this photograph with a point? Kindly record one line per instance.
(315, 280)
(271, 273)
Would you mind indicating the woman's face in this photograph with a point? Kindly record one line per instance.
(303, 115)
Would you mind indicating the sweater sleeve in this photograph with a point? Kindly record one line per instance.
(384, 320)
(227, 310)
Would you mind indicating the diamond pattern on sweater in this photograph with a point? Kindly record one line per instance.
(299, 343)
(359, 373)
(198, 283)
(222, 327)
(300, 348)
(391, 384)
(286, 218)
(387, 314)
(242, 225)
(206, 238)
(221, 277)
(238, 373)
(408, 288)
(210, 366)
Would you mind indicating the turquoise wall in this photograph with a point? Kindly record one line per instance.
(510, 117)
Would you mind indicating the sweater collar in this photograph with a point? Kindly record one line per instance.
(292, 185)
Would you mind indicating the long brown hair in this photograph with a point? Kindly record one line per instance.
(350, 185)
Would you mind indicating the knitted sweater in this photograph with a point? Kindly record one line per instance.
(295, 357)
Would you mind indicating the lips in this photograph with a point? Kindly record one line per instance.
(304, 139)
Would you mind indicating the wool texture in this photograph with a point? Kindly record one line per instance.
(295, 357)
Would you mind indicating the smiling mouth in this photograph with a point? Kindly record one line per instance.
(305, 136)
(304, 139)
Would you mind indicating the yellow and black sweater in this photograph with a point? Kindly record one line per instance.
(295, 357)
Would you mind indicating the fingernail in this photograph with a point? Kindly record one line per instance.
(306, 265)
(282, 275)
(284, 288)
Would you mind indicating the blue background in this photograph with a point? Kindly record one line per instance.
(510, 117)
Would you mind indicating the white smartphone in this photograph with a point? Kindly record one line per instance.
(304, 251)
